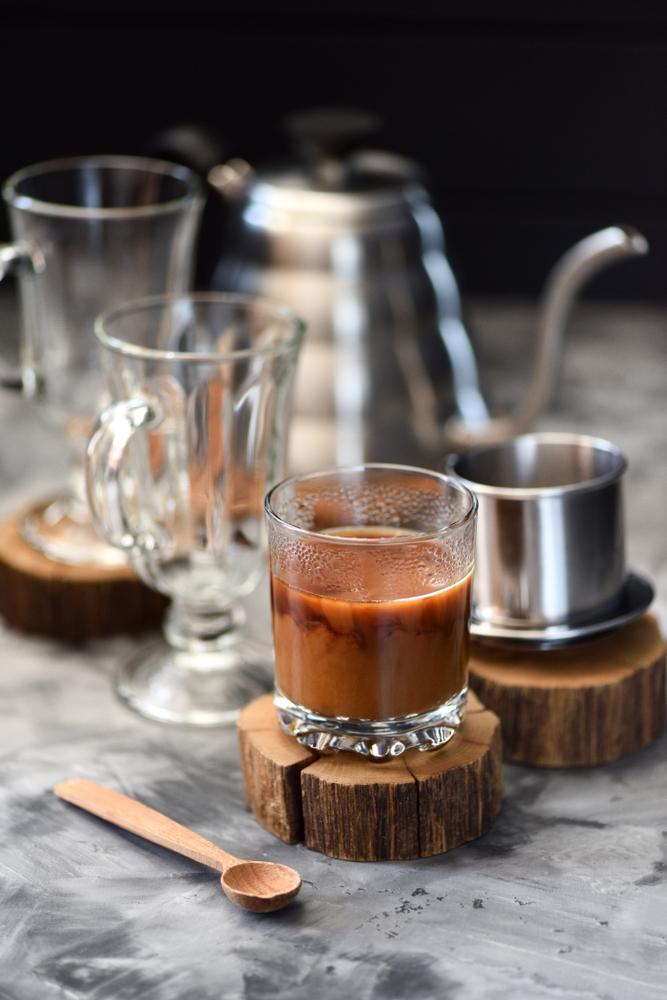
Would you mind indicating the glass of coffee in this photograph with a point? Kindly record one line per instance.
(371, 571)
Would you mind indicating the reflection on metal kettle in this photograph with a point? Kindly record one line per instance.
(352, 242)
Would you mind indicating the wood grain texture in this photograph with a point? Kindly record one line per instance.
(359, 811)
(271, 764)
(460, 787)
(43, 597)
(582, 705)
(343, 806)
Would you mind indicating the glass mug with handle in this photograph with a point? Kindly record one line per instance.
(177, 469)
(371, 570)
(89, 233)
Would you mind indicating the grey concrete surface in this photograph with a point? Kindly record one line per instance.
(566, 898)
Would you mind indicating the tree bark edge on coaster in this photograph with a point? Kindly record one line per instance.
(42, 597)
(578, 706)
(417, 805)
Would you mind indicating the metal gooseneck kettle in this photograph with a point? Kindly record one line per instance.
(350, 239)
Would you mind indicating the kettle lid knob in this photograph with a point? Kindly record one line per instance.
(330, 133)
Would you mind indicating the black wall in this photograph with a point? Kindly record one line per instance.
(538, 121)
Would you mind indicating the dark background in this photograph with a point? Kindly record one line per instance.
(537, 121)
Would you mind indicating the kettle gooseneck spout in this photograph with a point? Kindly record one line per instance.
(577, 266)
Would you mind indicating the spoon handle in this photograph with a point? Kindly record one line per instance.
(143, 821)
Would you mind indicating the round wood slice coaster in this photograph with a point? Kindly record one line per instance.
(580, 705)
(44, 597)
(416, 805)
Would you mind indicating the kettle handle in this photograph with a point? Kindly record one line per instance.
(577, 266)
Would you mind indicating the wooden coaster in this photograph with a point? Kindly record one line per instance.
(44, 597)
(414, 806)
(580, 705)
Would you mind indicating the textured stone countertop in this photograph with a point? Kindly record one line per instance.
(565, 898)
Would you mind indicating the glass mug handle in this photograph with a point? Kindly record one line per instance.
(106, 449)
(11, 256)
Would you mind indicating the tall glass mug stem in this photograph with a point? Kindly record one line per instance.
(203, 674)
(196, 631)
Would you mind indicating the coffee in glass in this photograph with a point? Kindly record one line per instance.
(371, 572)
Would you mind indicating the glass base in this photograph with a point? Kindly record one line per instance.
(62, 530)
(380, 740)
(194, 688)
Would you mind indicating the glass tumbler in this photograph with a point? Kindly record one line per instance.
(89, 233)
(371, 571)
(177, 469)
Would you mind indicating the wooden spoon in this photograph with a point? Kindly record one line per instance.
(260, 886)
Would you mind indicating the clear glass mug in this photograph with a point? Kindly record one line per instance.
(177, 470)
(89, 233)
(371, 572)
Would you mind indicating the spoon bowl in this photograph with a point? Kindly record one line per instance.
(260, 886)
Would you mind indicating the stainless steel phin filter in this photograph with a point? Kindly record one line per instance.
(550, 537)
